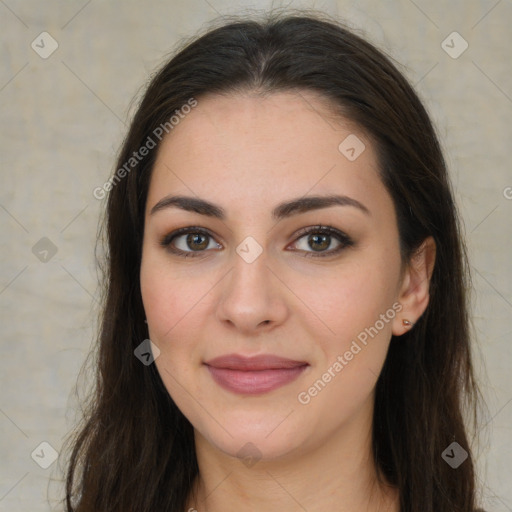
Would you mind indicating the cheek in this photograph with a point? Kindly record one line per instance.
(356, 304)
(168, 297)
(344, 301)
(172, 307)
(349, 361)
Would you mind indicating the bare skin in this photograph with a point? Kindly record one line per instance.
(246, 154)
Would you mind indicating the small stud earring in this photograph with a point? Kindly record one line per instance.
(407, 323)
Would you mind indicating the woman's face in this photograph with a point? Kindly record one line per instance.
(254, 277)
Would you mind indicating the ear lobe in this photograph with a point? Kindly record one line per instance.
(414, 292)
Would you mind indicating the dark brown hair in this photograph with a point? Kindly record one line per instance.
(135, 449)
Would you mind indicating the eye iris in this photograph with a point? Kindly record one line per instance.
(193, 238)
(322, 239)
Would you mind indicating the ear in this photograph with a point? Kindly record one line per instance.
(414, 291)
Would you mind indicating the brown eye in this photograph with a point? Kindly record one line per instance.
(320, 238)
(187, 241)
(192, 241)
(319, 242)
(197, 241)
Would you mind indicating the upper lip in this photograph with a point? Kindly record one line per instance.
(260, 362)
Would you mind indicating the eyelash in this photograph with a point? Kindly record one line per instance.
(343, 238)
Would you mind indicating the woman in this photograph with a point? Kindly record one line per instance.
(285, 323)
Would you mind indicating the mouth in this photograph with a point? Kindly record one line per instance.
(254, 375)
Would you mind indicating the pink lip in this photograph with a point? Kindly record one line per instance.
(254, 375)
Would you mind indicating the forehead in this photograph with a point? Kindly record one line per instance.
(251, 151)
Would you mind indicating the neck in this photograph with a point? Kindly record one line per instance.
(339, 474)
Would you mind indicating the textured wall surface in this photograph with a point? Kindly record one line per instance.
(63, 116)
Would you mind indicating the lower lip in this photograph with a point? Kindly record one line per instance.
(254, 382)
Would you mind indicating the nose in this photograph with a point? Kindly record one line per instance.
(252, 299)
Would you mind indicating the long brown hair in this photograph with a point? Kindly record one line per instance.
(135, 449)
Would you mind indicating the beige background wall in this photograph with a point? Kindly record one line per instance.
(64, 116)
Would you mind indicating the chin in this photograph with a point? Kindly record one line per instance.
(254, 441)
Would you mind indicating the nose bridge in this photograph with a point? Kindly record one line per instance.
(250, 275)
(250, 296)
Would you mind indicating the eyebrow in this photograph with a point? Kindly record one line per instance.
(281, 211)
